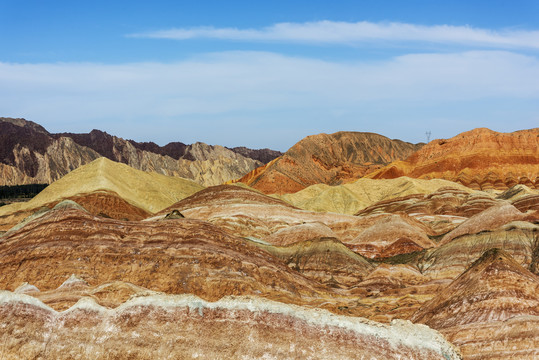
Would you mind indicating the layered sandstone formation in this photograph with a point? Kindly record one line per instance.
(174, 327)
(253, 215)
(491, 311)
(106, 188)
(330, 159)
(173, 256)
(390, 236)
(324, 259)
(30, 154)
(351, 198)
(449, 200)
(480, 159)
(420, 250)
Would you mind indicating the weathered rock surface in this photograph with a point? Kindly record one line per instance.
(390, 236)
(178, 327)
(297, 233)
(106, 188)
(491, 218)
(491, 311)
(480, 159)
(443, 201)
(247, 213)
(330, 159)
(520, 239)
(351, 198)
(29, 154)
(173, 256)
(323, 259)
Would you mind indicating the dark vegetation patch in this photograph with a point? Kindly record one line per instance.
(20, 192)
(410, 258)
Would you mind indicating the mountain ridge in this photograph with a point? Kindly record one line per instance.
(331, 159)
(481, 158)
(30, 154)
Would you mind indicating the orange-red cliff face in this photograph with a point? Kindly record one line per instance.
(329, 159)
(480, 159)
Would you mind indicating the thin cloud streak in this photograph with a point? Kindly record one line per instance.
(346, 33)
(270, 92)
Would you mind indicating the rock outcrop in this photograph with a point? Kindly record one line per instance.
(172, 256)
(263, 155)
(323, 259)
(179, 327)
(30, 154)
(444, 201)
(247, 213)
(490, 310)
(390, 236)
(106, 188)
(480, 159)
(327, 159)
(353, 197)
(519, 239)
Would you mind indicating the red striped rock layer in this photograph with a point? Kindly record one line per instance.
(247, 213)
(444, 201)
(480, 159)
(329, 159)
(108, 204)
(185, 327)
(520, 239)
(491, 311)
(325, 260)
(390, 236)
(100, 203)
(175, 256)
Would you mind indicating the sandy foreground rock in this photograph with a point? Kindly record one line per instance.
(186, 327)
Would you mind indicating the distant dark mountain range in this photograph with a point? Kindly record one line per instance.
(30, 154)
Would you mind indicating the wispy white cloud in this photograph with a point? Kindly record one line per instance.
(263, 91)
(333, 32)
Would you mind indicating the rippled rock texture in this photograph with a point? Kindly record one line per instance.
(173, 256)
(480, 159)
(491, 311)
(106, 188)
(330, 159)
(185, 327)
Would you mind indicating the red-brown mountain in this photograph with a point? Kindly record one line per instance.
(329, 159)
(480, 159)
(30, 154)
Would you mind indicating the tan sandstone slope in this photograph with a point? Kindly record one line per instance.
(106, 186)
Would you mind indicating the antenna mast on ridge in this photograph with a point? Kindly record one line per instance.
(428, 133)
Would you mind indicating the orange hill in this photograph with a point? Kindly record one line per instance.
(329, 159)
(480, 159)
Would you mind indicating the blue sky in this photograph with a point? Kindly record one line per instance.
(266, 74)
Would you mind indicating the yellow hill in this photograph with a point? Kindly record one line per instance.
(149, 191)
(350, 198)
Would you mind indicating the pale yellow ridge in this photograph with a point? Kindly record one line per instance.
(350, 198)
(149, 191)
